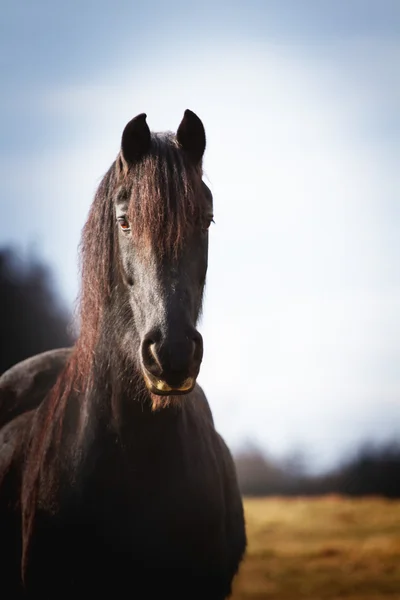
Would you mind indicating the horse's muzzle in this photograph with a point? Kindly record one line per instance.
(171, 366)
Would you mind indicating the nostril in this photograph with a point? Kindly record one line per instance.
(190, 346)
(197, 346)
(153, 353)
(149, 356)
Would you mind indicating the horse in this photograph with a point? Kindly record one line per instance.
(113, 478)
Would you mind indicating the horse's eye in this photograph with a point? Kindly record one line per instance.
(207, 222)
(124, 223)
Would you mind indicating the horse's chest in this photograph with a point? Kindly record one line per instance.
(165, 504)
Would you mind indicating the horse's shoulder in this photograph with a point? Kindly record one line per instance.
(23, 386)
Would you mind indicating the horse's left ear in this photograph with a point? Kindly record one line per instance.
(191, 136)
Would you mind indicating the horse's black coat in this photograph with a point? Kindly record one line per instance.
(113, 479)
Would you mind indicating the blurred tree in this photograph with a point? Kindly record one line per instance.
(372, 471)
(31, 318)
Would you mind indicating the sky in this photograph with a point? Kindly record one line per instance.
(300, 101)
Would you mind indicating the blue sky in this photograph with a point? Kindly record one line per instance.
(300, 103)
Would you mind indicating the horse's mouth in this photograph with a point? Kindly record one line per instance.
(162, 388)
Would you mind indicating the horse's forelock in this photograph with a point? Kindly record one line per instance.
(165, 197)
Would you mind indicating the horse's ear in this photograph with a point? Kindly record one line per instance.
(135, 141)
(191, 136)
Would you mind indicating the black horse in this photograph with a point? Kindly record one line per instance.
(113, 479)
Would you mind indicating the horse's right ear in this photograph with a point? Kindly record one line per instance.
(135, 141)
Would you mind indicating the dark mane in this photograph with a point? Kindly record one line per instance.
(165, 203)
(165, 199)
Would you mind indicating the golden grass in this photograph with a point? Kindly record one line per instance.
(317, 548)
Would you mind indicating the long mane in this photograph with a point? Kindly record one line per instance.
(165, 202)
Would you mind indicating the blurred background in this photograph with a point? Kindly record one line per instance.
(300, 101)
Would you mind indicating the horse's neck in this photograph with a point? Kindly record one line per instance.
(119, 405)
(114, 407)
(121, 435)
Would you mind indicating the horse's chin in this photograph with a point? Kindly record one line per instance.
(162, 388)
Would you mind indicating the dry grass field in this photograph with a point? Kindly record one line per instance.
(317, 548)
